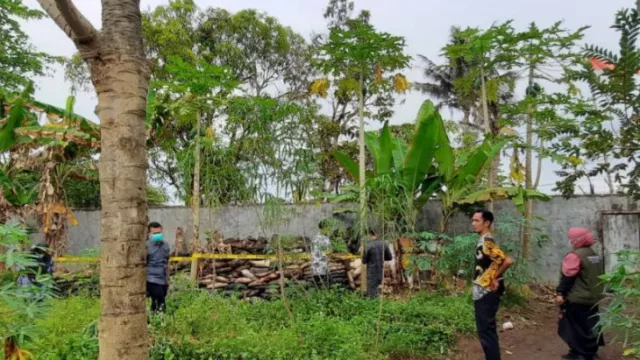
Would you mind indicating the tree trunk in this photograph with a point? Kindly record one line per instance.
(120, 74)
(363, 190)
(528, 210)
(487, 129)
(195, 202)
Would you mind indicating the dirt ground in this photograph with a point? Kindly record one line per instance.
(534, 337)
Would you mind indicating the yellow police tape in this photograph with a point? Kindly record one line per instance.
(287, 257)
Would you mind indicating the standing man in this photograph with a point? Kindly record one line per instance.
(579, 292)
(376, 253)
(488, 285)
(319, 259)
(157, 267)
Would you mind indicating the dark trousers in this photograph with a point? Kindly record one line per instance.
(157, 293)
(322, 281)
(373, 287)
(577, 327)
(486, 309)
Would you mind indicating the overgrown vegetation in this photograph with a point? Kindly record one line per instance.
(333, 324)
(623, 285)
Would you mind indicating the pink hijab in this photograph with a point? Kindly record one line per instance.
(578, 237)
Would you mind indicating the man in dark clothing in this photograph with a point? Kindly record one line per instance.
(488, 285)
(157, 267)
(376, 253)
(579, 292)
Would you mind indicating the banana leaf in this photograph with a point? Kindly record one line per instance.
(423, 146)
(385, 151)
(399, 152)
(517, 194)
(17, 113)
(349, 165)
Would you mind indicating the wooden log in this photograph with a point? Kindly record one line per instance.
(222, 279)
(247, 273)
(261, 263)
(243, 280)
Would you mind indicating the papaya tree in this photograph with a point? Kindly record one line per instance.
(357, 56)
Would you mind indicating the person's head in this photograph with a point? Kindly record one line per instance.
(155, 231)
(371, 233)
(481, 221)
(580, 237)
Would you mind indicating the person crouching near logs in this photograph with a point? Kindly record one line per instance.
(578, 294)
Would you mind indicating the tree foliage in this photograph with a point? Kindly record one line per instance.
(19, 60)
(609, 132)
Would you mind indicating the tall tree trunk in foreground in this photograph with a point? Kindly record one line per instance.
(491, 176)
(195, 202)
(528, 176)
(363, 190)
(120, 74)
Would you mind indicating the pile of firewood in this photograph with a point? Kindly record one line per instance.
(261, 278)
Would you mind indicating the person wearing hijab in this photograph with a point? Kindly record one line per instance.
(578, 294)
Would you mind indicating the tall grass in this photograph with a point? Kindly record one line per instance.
(333, 324)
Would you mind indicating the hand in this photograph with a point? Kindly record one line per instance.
(559, 300)
(495, 284)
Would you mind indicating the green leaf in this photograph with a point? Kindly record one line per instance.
(472, 169)
(68, 112)
(151, 104)
(349, 165)
(17, 114)
(444, 154)
(383, 165)
(399, 152)
(423, 146)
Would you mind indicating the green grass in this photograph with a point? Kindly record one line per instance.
(335, 324)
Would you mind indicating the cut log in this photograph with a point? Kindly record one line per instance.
(243, 280)
(261, 263)
(248, 274)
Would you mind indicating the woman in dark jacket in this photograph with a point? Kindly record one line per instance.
(578, 294)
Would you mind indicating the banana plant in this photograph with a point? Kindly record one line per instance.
(427, 167)
(44, 149)
(411, 164)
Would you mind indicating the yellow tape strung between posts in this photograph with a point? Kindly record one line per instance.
(81, 259)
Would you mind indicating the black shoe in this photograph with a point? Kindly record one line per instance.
(571, 356)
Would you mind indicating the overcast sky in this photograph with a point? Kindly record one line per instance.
(424, 23)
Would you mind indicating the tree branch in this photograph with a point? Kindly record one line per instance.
(70, 20)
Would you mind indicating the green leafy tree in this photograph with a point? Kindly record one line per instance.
(441, 84)
(362, 69)
(19, 61)
(490, 55)
(540, 52)
(356, 56)
(616, 92)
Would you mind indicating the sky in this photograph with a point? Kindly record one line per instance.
(425, 24)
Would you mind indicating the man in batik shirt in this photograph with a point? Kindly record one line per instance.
(488, 285)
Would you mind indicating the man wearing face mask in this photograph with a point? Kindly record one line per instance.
(157, 267)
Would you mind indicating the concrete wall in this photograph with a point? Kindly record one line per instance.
(244, 221)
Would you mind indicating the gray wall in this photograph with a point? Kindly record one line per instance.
(244, 221)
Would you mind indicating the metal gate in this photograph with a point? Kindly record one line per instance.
(620, 230)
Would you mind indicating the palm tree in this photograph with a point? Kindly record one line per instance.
(442, 84)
